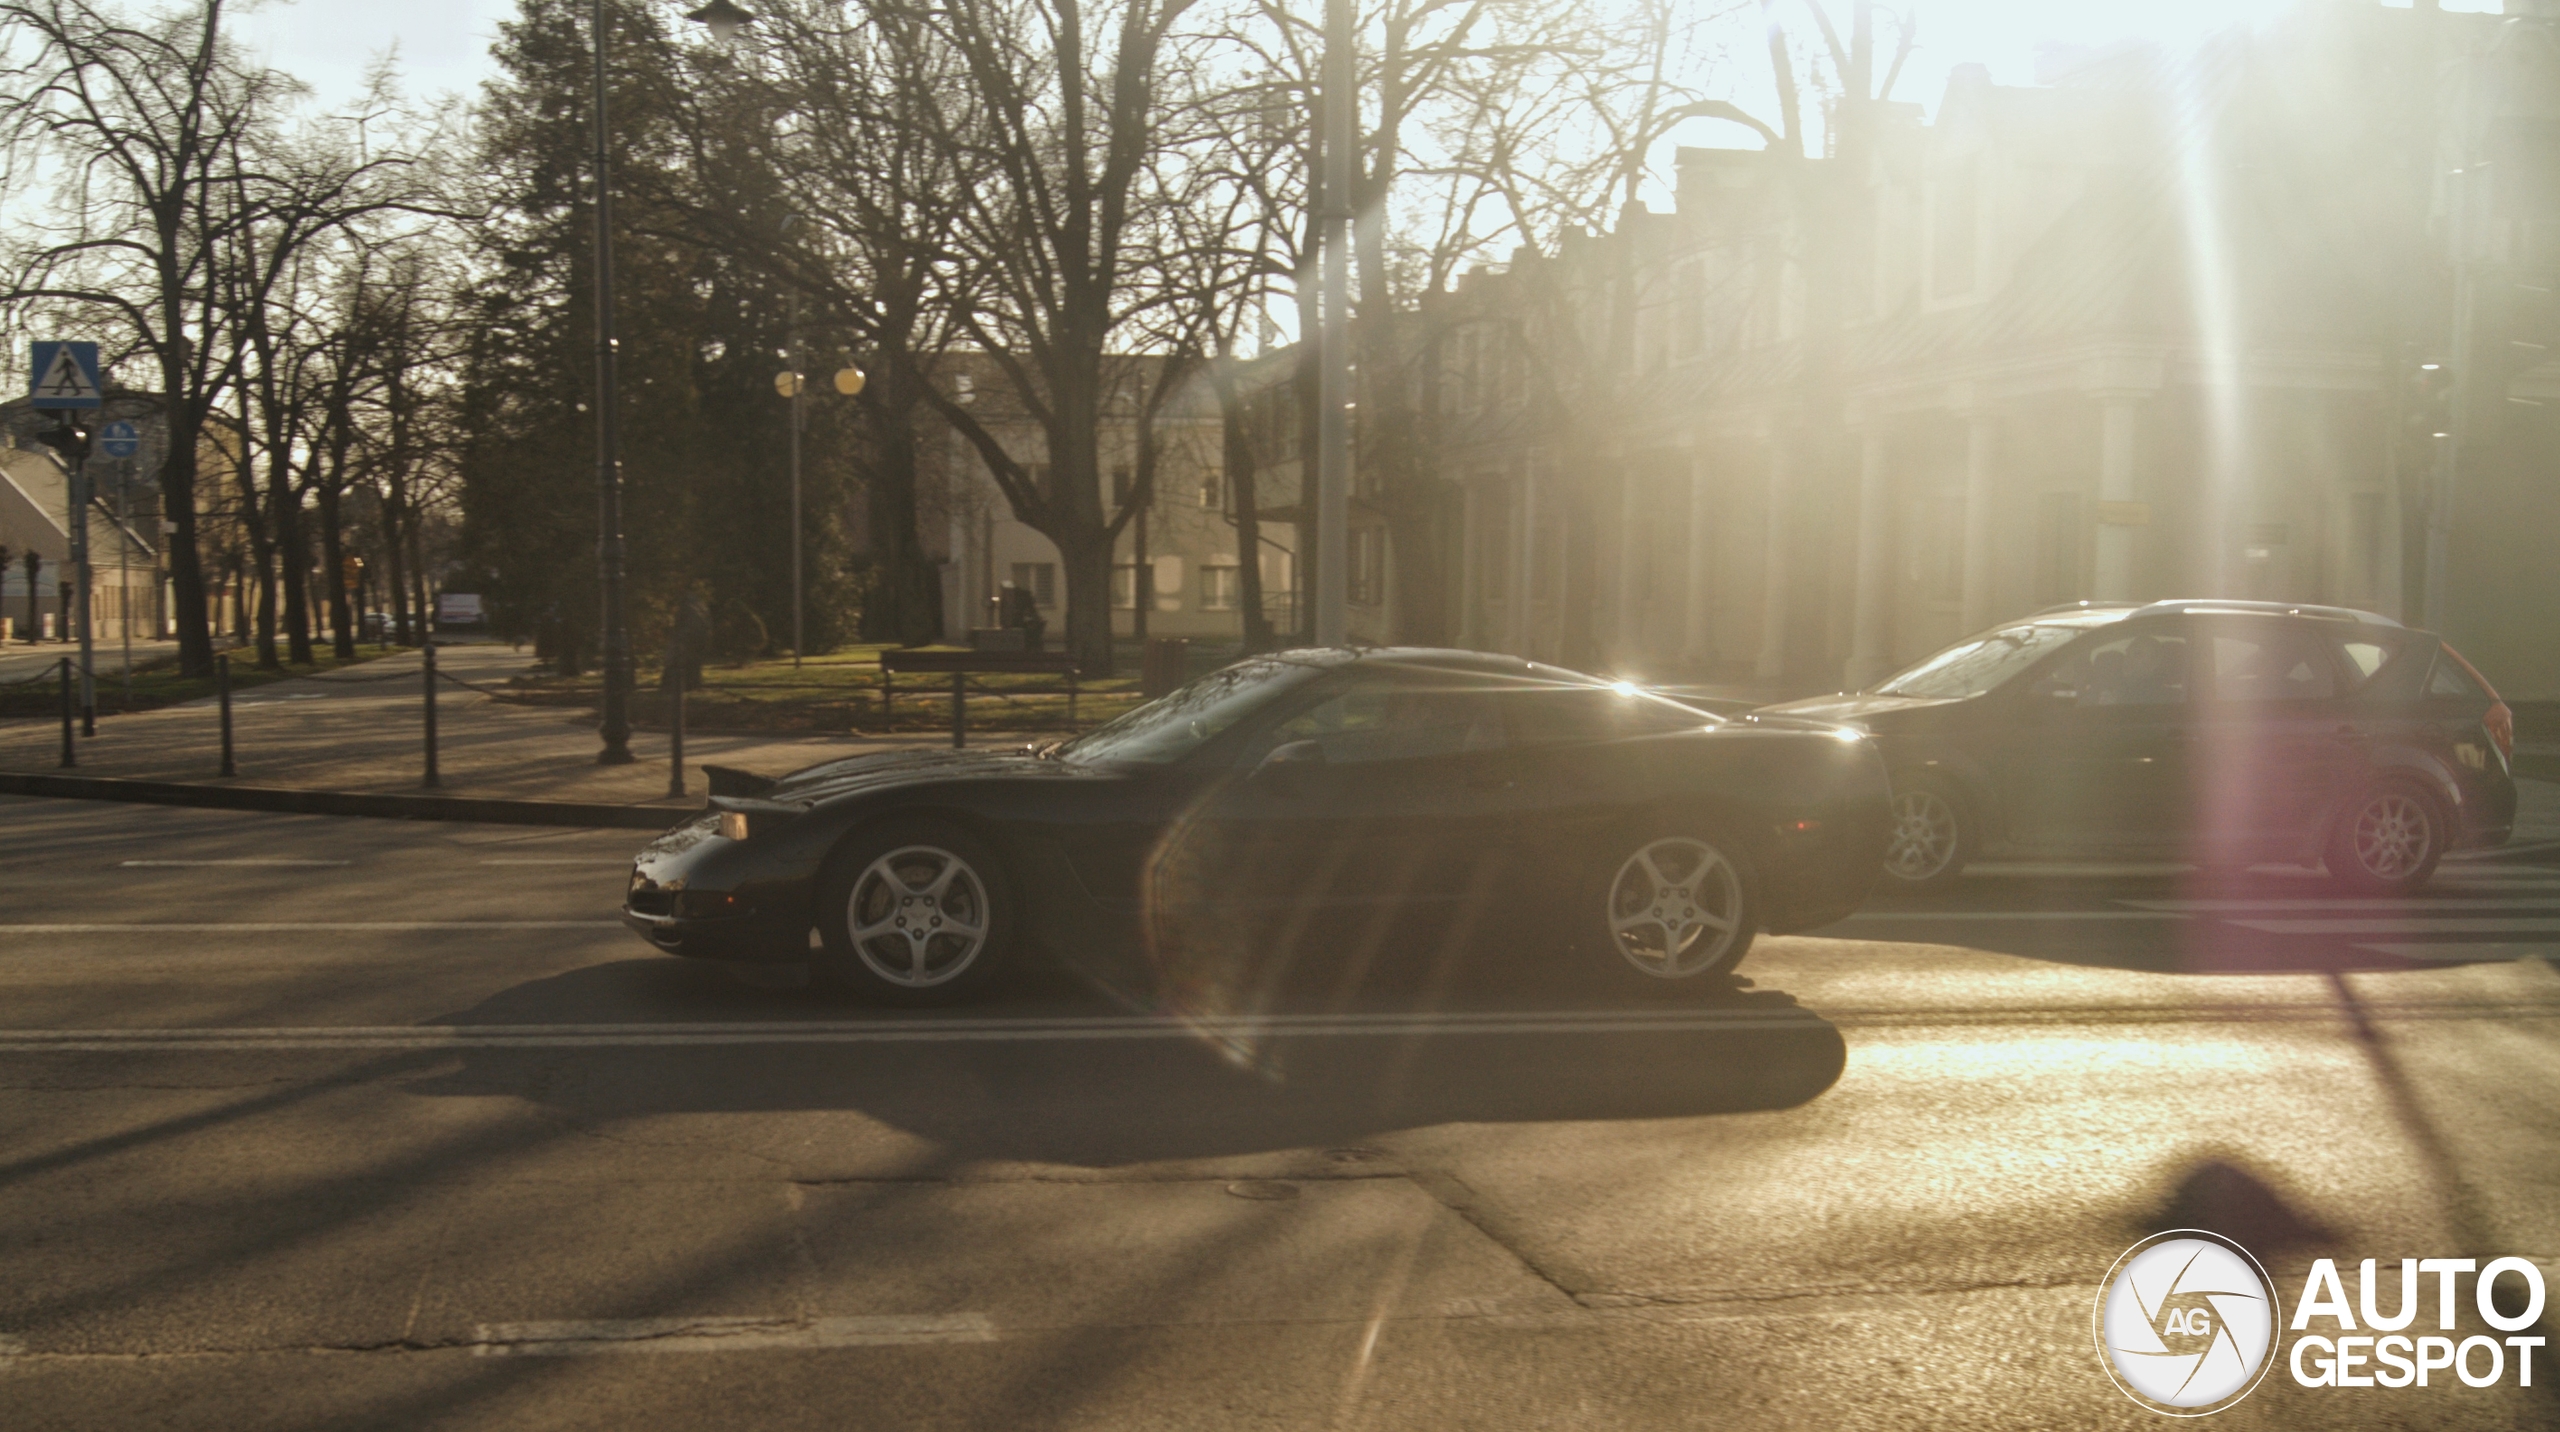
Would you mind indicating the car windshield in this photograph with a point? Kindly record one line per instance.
(1171, 727)
(1977, 664)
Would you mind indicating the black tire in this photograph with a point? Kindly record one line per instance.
(2388, 838)
(1932, 838)
(1666, 907)
(894, 910)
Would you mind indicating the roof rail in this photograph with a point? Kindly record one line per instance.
(2209, 605)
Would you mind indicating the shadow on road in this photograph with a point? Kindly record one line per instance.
(1071, 1080)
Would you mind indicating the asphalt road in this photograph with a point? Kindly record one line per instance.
(337, 1123)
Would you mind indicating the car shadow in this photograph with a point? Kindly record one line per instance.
(1056, 1074)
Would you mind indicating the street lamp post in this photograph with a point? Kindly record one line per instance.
(615, 727)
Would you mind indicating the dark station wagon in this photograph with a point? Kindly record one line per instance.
(2218, 733)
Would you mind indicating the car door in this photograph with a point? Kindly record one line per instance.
(1367, 793)
(2097, 746)
(2272, 733)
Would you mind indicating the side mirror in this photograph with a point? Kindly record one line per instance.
(1279, 769)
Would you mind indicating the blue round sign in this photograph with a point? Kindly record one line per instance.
(119, 439)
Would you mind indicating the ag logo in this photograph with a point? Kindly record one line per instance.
(2186, 1322)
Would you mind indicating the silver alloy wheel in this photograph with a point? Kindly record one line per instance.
(1675, 908)
(918, 916)
(2392, 836)
(1924, 836)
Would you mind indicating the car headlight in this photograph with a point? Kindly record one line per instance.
(733, 825)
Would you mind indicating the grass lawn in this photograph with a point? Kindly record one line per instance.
(158, 684)
(840, 691)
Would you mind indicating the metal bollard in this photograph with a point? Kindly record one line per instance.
(959, 710)
(222, 692)
(430, 669)
(69, 757)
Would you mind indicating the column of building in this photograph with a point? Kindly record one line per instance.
(2122, 513)
(1697, 606)
(1772, 662)
(1524, 540)
(1870, 655)
(1981, 452)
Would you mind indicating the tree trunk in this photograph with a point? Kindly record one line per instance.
(294, 555)
(1243, 478)
(1088, 574)
(333, 570)
(395, 579)
(189, 608)
(262, 558)
(908, 594)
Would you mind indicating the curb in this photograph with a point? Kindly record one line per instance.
(387, 807)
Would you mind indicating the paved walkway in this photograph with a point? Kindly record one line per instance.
(361, 729)
(20, 660)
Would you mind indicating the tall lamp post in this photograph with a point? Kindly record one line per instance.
(615, 727)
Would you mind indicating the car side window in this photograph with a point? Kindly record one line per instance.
(1379, 721)
(2271, 664)
(2373, 665)
(2145, 668)
(2449, 679)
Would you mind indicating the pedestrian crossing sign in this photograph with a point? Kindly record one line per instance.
(66, 376)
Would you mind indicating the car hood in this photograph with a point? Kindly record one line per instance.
(886, 770)
(1852, 706)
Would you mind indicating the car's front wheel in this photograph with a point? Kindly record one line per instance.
(1932, 835)
(2388, 839)
(915, 913)
(1668, 907)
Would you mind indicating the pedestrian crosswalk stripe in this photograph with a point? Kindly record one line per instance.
(2342, 906)
(2409, 925)
(2464, 950)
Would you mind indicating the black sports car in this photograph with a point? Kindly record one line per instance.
(2216, 732)
(1653, 838)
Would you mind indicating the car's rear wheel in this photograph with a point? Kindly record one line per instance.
(914, 913)
(1932, 835)
(2388, 839)
(1667, 907)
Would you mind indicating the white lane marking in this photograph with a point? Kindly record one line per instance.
(2414, 925)
(341, 926)
(2465, 950)
(2346, 905)
(191, 864)
(2016, 915)
(557, 1036)
(619, 862)
(673, 1335)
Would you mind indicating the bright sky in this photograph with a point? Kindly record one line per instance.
(445, 46)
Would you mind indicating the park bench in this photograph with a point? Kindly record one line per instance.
(961, 665)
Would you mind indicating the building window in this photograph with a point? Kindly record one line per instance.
(1213, 489)
(1040, 579)
(1954, 219)
(1368, 571)
(2057, 548)
(1219, 589)
(1124, 588)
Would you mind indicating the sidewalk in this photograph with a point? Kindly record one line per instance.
(20, 660)
(350, 732)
